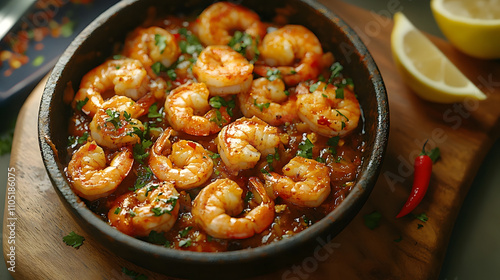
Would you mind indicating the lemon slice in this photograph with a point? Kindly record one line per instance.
(425, 69)
(472, 26)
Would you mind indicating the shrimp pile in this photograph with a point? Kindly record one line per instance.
(215, 134)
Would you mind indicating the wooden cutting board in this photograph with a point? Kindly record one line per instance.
(397, 249)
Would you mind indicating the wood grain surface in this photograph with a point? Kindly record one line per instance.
(397, 249)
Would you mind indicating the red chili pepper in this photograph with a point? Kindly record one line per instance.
(421, 179)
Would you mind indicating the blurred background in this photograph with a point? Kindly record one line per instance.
(474, 248)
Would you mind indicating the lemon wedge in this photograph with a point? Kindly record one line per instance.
(425, 69)
(472, 26)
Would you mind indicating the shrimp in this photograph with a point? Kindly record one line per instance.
(113, 125)
(282, 48)
(217, 203)
(187, 109)
(152, 207)
(241, 143)
(305, 182)
(220, 20)
(223, 70)
(91, 177)
(152, 45)
(269, 101)
(124, 76)
(325, 113)
(189, 165)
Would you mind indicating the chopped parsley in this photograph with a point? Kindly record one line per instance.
(183, 233)
(74, 240)
(158, 238)
(117, 210)
(134, 275)
(306, 149)
(314, 87)
(74, 141)
(161, 42)
(214, 156)
(372, 220)
(143, 177)
(339, 93)
(81, 103)
(261, 106)
(153, 111)
(140, 149)
(158, 211)
(248, 196)
(114, 118)
(171, 74)
(241, 41)
(422, 217)
(158, 67)
(191, 44)
(332, 143)
(273, 74)
(265, 172)
(185, 242)
(218, 102)
(271, 157)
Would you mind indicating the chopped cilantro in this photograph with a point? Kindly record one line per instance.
(372, 220)
(74, 240)
(117, 210)
(117, 56)
(273, 74)
(81, 103)
(305, 149)
(183, 233)
(262, 105)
